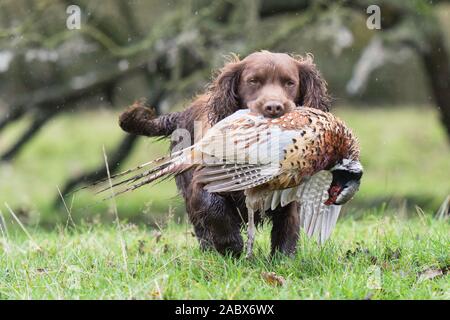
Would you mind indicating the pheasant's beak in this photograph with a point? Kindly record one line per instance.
(333, 193)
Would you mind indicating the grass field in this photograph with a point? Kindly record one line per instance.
(387, 246)
(378, 257)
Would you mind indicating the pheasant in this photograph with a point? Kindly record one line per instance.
(307, 156)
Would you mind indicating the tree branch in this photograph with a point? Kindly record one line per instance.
(116, 157)
(34, 128)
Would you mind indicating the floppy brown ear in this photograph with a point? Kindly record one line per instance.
(224, 97)
(313, 88)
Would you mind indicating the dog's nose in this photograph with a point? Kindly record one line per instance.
(273, 109)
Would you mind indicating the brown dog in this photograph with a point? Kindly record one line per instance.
(268, 83)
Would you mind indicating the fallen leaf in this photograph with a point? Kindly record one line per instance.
(273, 279)
(156, 294)
(430, 273)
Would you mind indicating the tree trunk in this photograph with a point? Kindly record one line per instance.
(437, 68)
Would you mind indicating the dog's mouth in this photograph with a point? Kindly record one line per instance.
(270, 108)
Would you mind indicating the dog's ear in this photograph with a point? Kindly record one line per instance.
(313, 88)
(223, 91)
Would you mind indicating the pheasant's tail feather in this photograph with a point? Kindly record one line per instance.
(147, 177)
(102, 181)
(114, 176)
(169, 165)
(132, 179)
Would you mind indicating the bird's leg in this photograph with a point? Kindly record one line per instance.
(250, 232)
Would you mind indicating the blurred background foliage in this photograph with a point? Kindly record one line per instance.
(61, 91)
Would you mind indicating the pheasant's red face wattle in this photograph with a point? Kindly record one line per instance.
(333, 193)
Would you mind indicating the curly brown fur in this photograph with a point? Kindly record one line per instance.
(267, 83)
(139, 119)
(313, 91)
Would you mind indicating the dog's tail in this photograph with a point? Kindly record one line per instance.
(140, 119)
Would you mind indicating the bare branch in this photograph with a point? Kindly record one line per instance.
(33, 129)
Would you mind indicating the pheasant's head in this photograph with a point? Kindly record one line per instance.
(346, 180)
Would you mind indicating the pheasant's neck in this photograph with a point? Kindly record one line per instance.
(342, 146)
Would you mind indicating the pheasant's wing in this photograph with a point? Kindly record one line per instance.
(317, 219)
(235, 177)
(241, 154)
(280, 198)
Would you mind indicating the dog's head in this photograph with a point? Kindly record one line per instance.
(270, 84)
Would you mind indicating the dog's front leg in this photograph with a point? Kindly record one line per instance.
(285, 229)
(217, 216)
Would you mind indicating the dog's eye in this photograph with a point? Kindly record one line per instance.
(290, 83)
(253, 81)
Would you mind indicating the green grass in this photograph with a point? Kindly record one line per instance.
(377, 257)
(376, 251)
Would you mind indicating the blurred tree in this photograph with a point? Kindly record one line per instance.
(410, 25)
